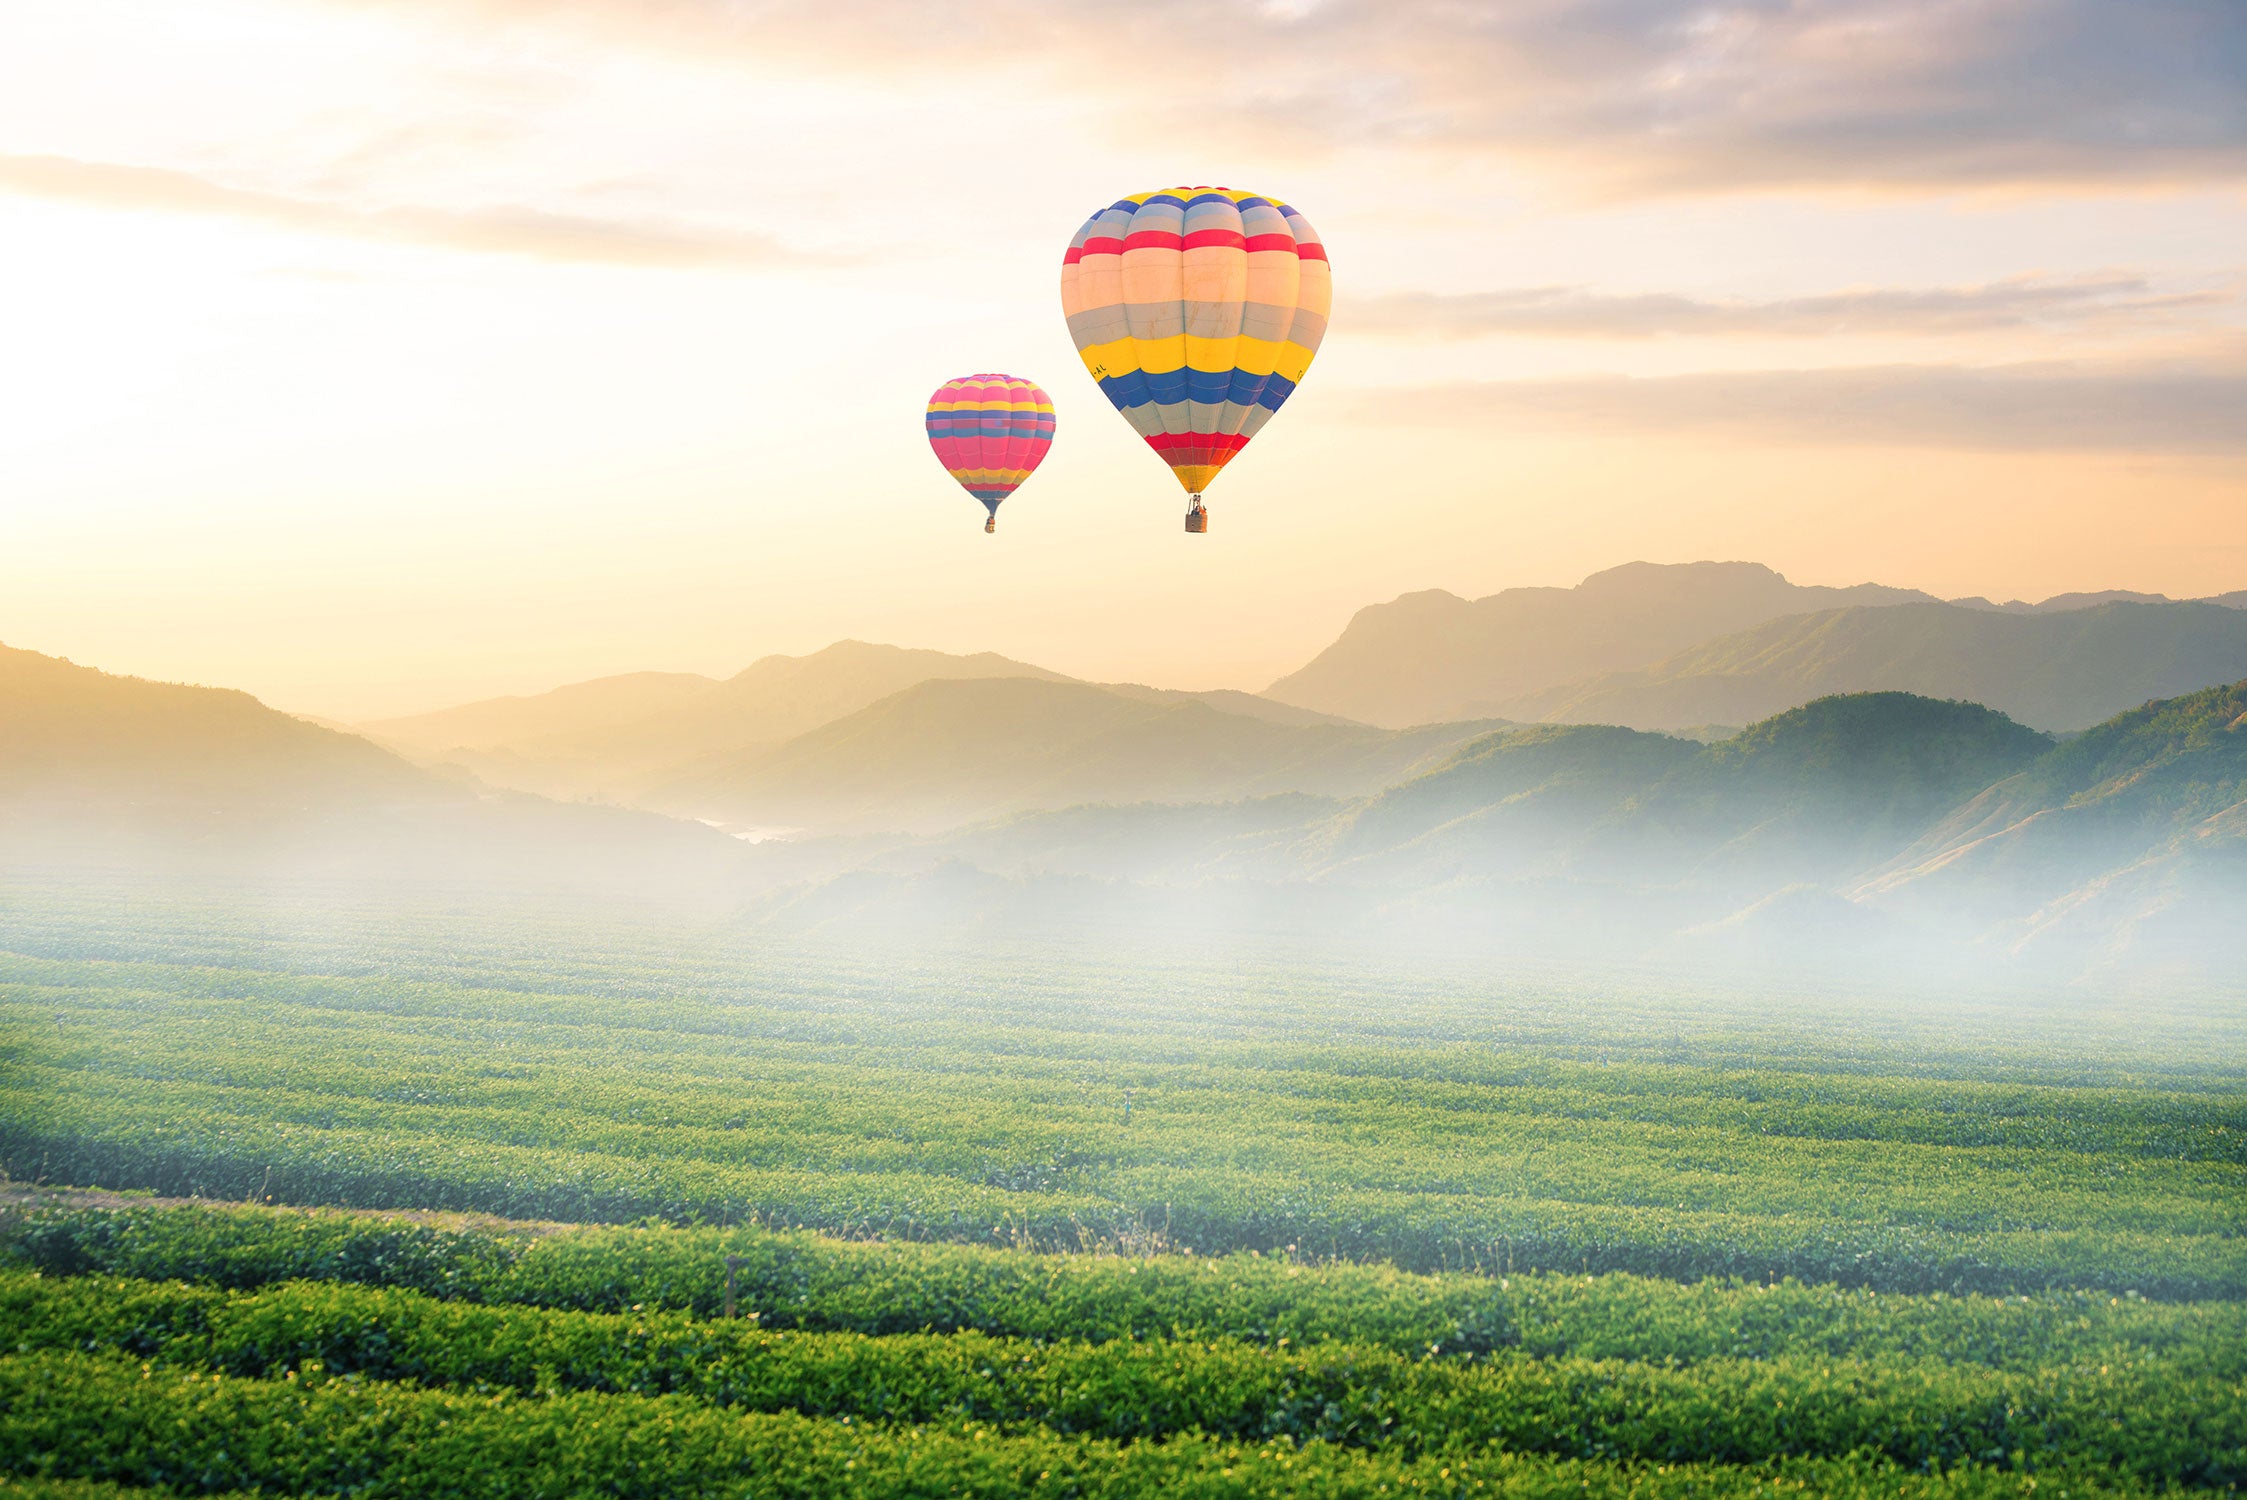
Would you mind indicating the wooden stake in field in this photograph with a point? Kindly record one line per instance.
(733, 1264)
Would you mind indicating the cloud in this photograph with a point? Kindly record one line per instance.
(501, 229)
(1576, 312)
(1613, 95)
(2168, 409)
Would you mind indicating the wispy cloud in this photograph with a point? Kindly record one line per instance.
(2173, 409)
(505, 229)
(2074, 303)
(1618, 95)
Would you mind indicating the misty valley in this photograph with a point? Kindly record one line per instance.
(1681, 1035)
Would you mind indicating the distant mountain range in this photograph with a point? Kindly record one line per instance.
(2062, 670)
(1432, 656)
(947, 752)
(1870, 828)
(120, 772)
(1820, 793)
(815, 742)
(1676, 647)
(615, 736)
(1875, 829)
(1916, 779)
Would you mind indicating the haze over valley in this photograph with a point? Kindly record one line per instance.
(1692, 764)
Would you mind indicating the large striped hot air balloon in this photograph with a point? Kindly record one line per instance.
(990, 432)
(1197, 310)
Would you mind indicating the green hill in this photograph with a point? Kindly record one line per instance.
(2057, 671)
(1820, 791)
(1507, 803)
(1816, 792)
(2163, 783)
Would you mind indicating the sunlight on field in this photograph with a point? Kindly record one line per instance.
(998, 1218)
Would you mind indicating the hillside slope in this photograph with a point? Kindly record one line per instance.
(1431, 656)
(943, 753)
(615, 736)
(74, 735)
(2152, 800)
(158, 777)
(2056, 671)
(558, 718)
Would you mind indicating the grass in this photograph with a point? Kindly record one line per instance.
(1050, 1223)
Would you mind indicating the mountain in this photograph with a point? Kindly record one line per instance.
(557, 717)
(2060, 602)
(71, 735)
(2151, 798)
(946, 752)
(2059, 671)
(1816, 793)
(1432, 656)
(1820, 793)
(1512, 803)
(611, 737)
(1560, 839)
(119, 772)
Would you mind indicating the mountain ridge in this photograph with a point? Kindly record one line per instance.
(1431, 655)
(2059, 671)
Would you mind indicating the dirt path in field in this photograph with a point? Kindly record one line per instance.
(19, 1197)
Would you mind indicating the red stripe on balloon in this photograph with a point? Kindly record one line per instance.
(1196, 442)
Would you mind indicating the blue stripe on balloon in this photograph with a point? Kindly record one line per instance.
(1276, 390)
(1245, 388)
(1207, 385)
(1165, 387)
(1127, 390)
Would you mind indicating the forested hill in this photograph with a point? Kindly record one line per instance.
(1929, 823)
(2135, 816)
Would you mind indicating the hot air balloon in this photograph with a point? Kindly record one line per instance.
(1197, 310)
(990, 432)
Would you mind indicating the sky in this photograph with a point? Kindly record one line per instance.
(379, 356)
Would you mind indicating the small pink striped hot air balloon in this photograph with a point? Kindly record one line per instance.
(990, 432)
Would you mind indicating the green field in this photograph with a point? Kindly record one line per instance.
(1039, 1222)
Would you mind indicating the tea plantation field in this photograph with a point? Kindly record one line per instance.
(1052, 1223)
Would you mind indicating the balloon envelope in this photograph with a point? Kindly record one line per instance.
(1197, 310)
(990, 432)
